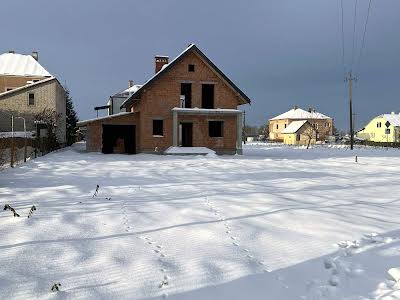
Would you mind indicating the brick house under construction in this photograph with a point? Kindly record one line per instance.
(189, 102)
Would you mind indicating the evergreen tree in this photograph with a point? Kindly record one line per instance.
(72, 118)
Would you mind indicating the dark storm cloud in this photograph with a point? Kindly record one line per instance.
(281, 53)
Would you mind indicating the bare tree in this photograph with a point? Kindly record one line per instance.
(311, 134)
(48, 119)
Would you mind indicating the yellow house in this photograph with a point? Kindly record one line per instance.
(322, 123)
(382, 129)
(299, 133)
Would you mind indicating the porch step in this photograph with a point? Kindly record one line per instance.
(188, 151)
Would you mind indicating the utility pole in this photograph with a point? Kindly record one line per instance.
(350, 80)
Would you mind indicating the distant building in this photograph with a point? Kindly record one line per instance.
(377, 131)
(116, 100)
(26, 88)
(299, 133)
(322, 123)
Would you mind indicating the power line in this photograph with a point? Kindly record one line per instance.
(344, 65)
(354, 33)
(364, 34)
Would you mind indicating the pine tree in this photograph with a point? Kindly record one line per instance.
(72, 118)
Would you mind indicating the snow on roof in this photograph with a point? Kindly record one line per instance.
(85, 122)
(394, 119)
(21, 65)
(27, 86)
(298, 113)
(294, 126)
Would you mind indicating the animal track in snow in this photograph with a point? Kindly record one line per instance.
(158, 250)
(228, 231)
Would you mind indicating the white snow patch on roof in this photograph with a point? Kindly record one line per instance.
(85, 122)
(299, 113)
(21, 65)
(394, 119)
(294, 126)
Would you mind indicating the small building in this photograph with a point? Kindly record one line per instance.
(26, 89)
(322, 123)
(381, 129)
(115, 101)
(188, 102)
(299, 133)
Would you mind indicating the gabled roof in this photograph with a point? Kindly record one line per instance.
(294, 126)
(167, 67)
(28, 86)
(21, 65)
(298, 113)
(394, 119)
(129, 91)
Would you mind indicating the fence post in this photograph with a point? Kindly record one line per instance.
(12, 142)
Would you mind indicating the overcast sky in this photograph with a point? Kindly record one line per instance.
(281, 53)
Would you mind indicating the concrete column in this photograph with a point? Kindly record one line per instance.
(239, 133)
(174, 128)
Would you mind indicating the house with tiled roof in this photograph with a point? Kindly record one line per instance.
(26, 89)
(189, 104)
(323, 124)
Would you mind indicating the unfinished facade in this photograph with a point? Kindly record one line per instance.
(189, 102)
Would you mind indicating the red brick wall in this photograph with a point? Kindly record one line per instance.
(95, 130)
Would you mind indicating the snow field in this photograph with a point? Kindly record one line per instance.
(275, 223)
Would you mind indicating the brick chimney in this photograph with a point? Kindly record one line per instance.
(295, 107)
(130, 84)
(160, 61)
(11, 51)
(35, 55)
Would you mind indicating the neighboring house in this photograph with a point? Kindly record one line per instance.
(377, 131)
(189, 102)
(26, 88)
(322, 123)
(299, 133)
(116, 100)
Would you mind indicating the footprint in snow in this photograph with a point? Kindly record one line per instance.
(235, 244)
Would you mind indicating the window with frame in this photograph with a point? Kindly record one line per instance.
(379, 125)
(285, 125)
(191, 68)
(31, 99)
(9, 89)
(277, 126)
(158, 127)
(216, 128)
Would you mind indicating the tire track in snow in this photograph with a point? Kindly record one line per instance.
(234, 239)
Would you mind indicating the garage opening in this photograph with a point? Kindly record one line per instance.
(119, 139)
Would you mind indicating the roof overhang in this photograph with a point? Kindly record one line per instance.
(28, 86)
(86, 122)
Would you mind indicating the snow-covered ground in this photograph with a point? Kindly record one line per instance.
(276, 223)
